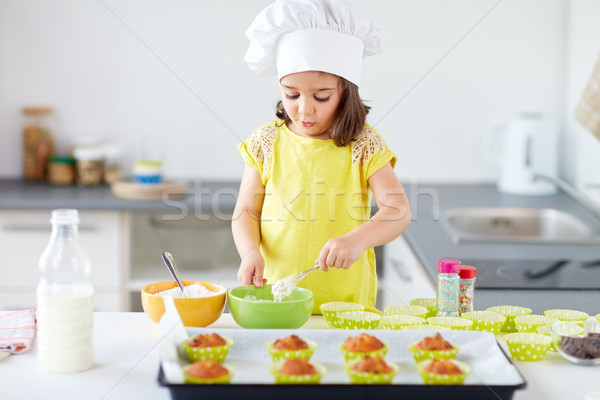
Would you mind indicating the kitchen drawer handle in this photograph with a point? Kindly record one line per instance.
(17, 227)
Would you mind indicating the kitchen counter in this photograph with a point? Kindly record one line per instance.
(430, 241)
(126, 367)
(203, 196)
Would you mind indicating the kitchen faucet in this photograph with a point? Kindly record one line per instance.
(571, 191)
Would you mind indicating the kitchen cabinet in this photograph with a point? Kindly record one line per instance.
(403, 277)
(23, 236)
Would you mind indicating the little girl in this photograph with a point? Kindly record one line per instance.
(305, 195)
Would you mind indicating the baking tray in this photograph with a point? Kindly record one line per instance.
(494, 376)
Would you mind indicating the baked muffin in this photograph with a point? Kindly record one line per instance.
(443, 372)
(291, 347)
(433, 347)
(291, 342)
(207, 346)
(207, 340)
(435, 342)
(363, 344)
(297, 371)
(370, 370)
(207, 371)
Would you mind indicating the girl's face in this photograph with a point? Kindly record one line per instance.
(311, 100)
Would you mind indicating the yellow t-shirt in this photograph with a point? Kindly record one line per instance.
(315, 191)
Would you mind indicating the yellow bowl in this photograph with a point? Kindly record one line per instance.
(197, 311)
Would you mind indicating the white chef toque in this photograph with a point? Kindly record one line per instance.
(311, 35)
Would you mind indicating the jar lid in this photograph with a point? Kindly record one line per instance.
(88, 153)
(37, 110)
(467, 272)
(448, 266)
(62, 160)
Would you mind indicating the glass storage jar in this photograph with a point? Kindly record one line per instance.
(37, 142)
(90, 165)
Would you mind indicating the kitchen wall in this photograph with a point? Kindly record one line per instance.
(124, 70)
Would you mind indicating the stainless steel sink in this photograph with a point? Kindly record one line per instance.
(532, 225)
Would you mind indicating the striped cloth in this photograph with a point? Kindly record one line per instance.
(17, 329)
(588, 109)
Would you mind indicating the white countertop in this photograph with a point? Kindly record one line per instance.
(126, 366)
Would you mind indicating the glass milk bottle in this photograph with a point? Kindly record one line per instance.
(65, 299)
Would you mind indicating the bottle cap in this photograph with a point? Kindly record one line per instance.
(467, 272)
(64, 216)
(448, 266)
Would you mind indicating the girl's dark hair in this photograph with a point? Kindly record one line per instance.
(350, 118)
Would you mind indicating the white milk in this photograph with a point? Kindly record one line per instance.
(65, 333)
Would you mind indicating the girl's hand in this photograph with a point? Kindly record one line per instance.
(339, 252)
(251, 269)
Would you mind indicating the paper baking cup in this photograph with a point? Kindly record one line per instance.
(530, 323)
(545, 330)
(367, 378)
(296, 379)
(400, 321)
(443, 379)
(217, 353)
(451, 322)
(598, 317)
(331, 310)
(359, 320)
(430, 303)
(485, 320)
(422, 355)
(427, 327)
(351, 355)
(222, 379)
(510, 312)
(418, 311)
(527, 346)
(304, 354)
(567, 315)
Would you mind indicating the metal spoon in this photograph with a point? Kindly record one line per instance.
(170, 263)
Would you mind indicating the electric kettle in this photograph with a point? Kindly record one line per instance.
(522, 147)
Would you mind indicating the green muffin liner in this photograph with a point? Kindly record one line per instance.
(530, 323)
(567, 315)
(220, 380)
(485, 320)
(510, 312)
(598, 317)
(400, 321)
(351, 355)
(430, 303)
(359, 320)
(422, 355)
(527, 346)
(331, 310)
(296, 379)
(367, 378)
(545, 330)
(304, 354)
(217, 353)
(426, 327)
(457, 323)
(443, 379)
(403, 309)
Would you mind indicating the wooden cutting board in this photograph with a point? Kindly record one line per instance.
(138, 191)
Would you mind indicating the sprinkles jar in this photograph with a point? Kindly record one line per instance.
(467, 287)
(448, 283)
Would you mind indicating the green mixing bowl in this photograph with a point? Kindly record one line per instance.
(253, 307)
